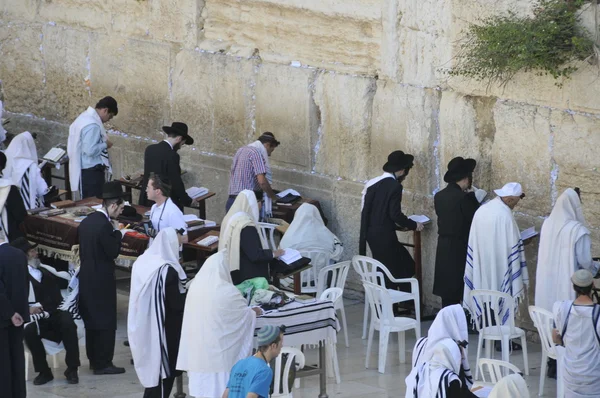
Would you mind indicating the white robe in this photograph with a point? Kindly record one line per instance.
(218, 329)
(495, 257)
(512, 386)
(558, 259)
(146, 316)
(245, 202)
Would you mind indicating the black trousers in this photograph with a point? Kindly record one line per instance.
(59, 327)
(92, 180)
(100, 347)
(12, 363)
(162, 390)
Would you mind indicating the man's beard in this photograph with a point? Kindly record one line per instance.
(34, 262)
(177, 147)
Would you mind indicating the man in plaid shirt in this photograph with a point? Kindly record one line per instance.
(251, 169)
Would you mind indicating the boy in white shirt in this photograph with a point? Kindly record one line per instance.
(164, 213)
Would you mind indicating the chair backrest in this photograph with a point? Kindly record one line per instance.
(379, 300)
(331, 294)
(497, 369)
(333, 276)
(543, 320)
(491, 304)
(267, 231)
(319, 259)
(295, 356)
(368, 267)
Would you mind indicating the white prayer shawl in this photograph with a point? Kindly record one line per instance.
(556, 256)
(308, 230)
(230, 239)
(433, 378)
(146, 316)
(512, 386)
(21, 156)
(268, 205)
(218, 329)
(90, 116)
(5, 185)
(495, 257)
(245, 202)
(373, 182)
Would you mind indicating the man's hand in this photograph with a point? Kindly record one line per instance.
(278, 253)
(35, 310)
(16, 320)
(556, 337)
(420, 226)
(257, 310)
(109, 144)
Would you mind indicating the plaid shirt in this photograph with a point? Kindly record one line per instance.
(247, 164)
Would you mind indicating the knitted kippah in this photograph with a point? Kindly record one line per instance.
(267, 335)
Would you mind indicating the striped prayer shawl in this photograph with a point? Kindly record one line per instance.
(30, 201)
(419, 351)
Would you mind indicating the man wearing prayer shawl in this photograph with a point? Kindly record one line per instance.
(87, 147)
(565, 247)
(218, 329)
(495, 254)
(12, 208)
(512, 386)
(382, 216)
(245, 248)
(308, 231)
(22, 168)
(156, 304)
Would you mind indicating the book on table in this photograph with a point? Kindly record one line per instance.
(54, 155)
(195, 192)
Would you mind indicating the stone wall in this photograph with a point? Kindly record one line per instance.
(341, 84)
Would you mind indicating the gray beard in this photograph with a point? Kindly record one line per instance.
(35, 262)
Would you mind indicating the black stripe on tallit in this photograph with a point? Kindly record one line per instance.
(160, 318)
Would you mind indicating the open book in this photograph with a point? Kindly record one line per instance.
(528, 233)
(419, 218)
(290, 256)
(55, 154)
(195, 192)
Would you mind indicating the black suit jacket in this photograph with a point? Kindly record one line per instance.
(47, 292)
(254, 260)
(162, 159)
(14, 285)
(15, 213)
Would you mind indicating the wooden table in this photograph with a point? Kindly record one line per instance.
(48, 176)
(193, 250)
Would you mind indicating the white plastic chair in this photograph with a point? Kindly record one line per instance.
(488, 301)
(367, 268)
(267, 232)
(319, 259)
(496, 369)
(383, 320)
(295, 356)
(338, 273)
(543, 320)
(333, 294)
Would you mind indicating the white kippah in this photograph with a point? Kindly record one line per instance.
(510, 189)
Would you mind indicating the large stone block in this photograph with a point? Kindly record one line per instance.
(22, 69)
(576, 140)
(176, 20)
(65, 58)
(345, 105)
(136, 74)
(521, 152)
(284, 106)
(405, 118)
(213, 93)
(22, 10)
(315, 33)
(131, 18)
(89, 14)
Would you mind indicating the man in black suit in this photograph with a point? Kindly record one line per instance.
(51, 323)
(99, 246)
(382, 216)
(12, 208)
(14, 312)
(163, 159)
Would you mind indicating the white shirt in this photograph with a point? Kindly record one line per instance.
(36, 273)
(167, 215)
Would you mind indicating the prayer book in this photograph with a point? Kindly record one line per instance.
(288, 192)
(63, 204)
(420, 218)
(55, 154)
(53, 212)
(190, 217)
(195, 192)
(37, 210)
(290, 256)
(528, 233)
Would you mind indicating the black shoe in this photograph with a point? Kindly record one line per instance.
(110, 370)
(72, 376)
(43, 378)
(126, 343)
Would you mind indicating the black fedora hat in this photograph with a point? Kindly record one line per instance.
(112, 190)
(459, 168)
(23, 244)
(178, 128)
(398, 160)
(130, 214)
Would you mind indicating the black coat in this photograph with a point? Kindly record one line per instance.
(381, 217)
(174, 306)
(254, 260)
(15, 213)
(455, 210)
(162, 159)
(14, 285)
(47, 292)
(99, 246)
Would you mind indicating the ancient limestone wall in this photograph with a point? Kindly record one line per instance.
(340, 83)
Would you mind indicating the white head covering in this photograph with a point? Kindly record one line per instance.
(307, 230)
(437, 373)
(218, 326)
(244, 202)
(20, 155)
(556, 256)
(146, 317)
(512, 386)
(510, 189)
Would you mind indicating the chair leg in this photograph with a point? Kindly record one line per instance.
(344, 324)
(525, 358)
(384, 336)
(402, 346)
(55, 361)
(506, 342)
(369, 344)
(479, 346)
(336, 364)
(365, 318)
(543, 370)
(26, 365)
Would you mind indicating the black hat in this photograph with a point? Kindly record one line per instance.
(459, 168)
(398, 160)
(178, 128)
(112, 190)
(130, 214)
(23, 244)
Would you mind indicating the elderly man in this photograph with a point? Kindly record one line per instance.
(495, 255)
(88, 147)
(51, 323)
(578, 330)
(251, 169)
